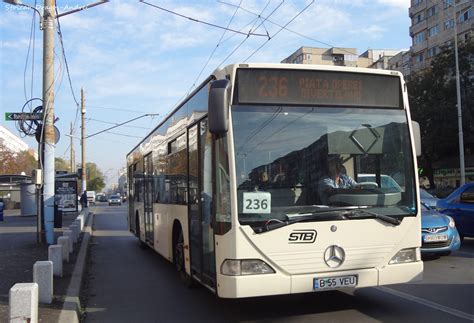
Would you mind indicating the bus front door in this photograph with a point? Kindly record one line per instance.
(200, 204)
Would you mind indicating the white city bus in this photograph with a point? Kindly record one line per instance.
(232, 186)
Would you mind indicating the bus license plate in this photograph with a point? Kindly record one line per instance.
(436, 238)
(334, 282)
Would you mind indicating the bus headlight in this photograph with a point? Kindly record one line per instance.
(235, 267)
(404, 256)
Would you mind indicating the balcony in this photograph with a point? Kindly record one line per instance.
(415, 29)
(433, 20)
(414, 10)
(419, 47)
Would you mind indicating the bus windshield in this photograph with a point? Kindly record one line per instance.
(299, 160)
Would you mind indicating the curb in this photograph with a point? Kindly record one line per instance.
(71, 310)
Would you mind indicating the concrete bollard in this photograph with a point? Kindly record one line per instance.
(69, 234)
(24, 303)
(80, 218)
(64, 241)
(75, 231)
(73, 234)
(55, 254)
(43, 276)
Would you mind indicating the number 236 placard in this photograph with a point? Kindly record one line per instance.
(257, 202)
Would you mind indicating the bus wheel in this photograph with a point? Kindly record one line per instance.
(178, 256)
(141, 244)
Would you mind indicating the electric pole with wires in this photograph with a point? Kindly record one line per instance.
(48, 127)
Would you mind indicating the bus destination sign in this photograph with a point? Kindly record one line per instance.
(331, 88)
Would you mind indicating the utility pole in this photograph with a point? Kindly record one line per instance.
(49, 135)
(83, 140)
(73, 153)
(48, 128)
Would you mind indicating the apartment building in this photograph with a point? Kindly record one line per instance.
(339, 56)
(401, 62)
(336, 56)
(433, 26)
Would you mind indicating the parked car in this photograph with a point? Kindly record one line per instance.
(460, 206)
(1, 209)
(115, 199)
(428, 199)
(438, 232)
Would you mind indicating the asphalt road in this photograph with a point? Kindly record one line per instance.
(128, 284)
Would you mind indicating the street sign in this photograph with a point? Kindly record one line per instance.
(18, 116)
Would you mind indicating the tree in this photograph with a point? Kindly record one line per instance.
(16, 163)
(433, 100)
(7, 159)
(61, 164)
(95, 178)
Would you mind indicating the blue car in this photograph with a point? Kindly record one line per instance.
(460, 206)
(438, 232)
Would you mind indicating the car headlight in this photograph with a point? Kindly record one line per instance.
(451, 224)
(237, 267)
(404, 256)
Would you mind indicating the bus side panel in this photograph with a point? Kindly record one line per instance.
(165, 216)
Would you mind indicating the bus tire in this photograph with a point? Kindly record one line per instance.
(141, 244)
(179, 261)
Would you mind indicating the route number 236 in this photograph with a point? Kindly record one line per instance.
(257, 202)
(272, 86)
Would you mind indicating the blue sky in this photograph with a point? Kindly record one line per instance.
(133, 59)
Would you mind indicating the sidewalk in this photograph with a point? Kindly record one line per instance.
(19, 250)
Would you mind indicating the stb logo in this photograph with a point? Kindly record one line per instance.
(302, 236)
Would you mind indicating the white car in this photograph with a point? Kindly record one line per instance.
(115, 200)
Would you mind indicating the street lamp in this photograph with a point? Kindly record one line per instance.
(458, 93)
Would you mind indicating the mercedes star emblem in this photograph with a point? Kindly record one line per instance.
(334, 256)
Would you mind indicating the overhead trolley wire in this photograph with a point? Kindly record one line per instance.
(113, 123)
(116, 109)
(245, 39)
(288, 29)
(289, 22)
(215, 48)
(60, 34)
(200, 21)
(32, 40)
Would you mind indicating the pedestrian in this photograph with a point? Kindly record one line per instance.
(83, 200)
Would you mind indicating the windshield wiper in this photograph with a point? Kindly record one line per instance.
(322, 215)
(301, 217)
(364, 214)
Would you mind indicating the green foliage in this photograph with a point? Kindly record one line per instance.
(61, 164)
(16, 163)
(433, 99)
(95, 178)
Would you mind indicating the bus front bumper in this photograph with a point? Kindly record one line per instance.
(280, 284)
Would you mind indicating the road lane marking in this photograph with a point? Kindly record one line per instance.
(428, 303)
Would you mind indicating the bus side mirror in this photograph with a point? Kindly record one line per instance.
(416, 137)
(218, 117)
